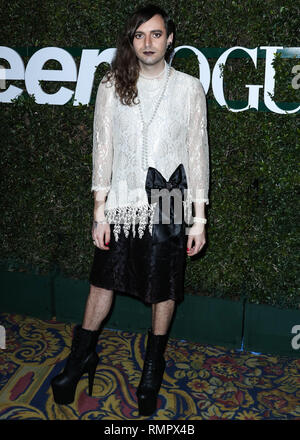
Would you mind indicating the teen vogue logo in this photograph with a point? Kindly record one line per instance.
(2, 338)
(295, 342)
(92, 58)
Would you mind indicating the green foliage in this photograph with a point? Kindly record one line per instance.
(46, 156)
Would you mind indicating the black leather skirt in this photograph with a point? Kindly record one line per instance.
(152, 267)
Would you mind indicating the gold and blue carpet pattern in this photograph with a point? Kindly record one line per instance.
(201, 382)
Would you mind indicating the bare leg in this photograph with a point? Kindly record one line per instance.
(97, 307)
(162, 313)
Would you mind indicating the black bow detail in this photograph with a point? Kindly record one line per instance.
(166, 222)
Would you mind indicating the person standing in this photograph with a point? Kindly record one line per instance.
(150, 145)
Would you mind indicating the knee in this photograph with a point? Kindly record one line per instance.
(94, 290)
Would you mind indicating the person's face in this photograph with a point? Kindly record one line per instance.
(150, 40)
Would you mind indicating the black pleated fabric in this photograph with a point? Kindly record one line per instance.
(151, 268)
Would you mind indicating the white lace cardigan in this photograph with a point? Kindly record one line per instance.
(177, 134)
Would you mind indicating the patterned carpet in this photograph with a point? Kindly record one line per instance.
(201, 382)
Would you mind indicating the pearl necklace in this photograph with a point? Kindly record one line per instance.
(146, 125)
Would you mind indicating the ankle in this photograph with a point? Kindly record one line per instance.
(157, 332)
(90, 328)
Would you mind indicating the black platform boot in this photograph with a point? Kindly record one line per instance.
(82, 359)
(152, 375)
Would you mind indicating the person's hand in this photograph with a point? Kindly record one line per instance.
(101, 235)
(196, 236)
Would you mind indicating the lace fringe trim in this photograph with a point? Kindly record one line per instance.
(128, 216)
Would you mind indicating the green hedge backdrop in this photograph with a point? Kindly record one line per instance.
(46, 151)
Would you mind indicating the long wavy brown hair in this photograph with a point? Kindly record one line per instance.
(125, 68)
